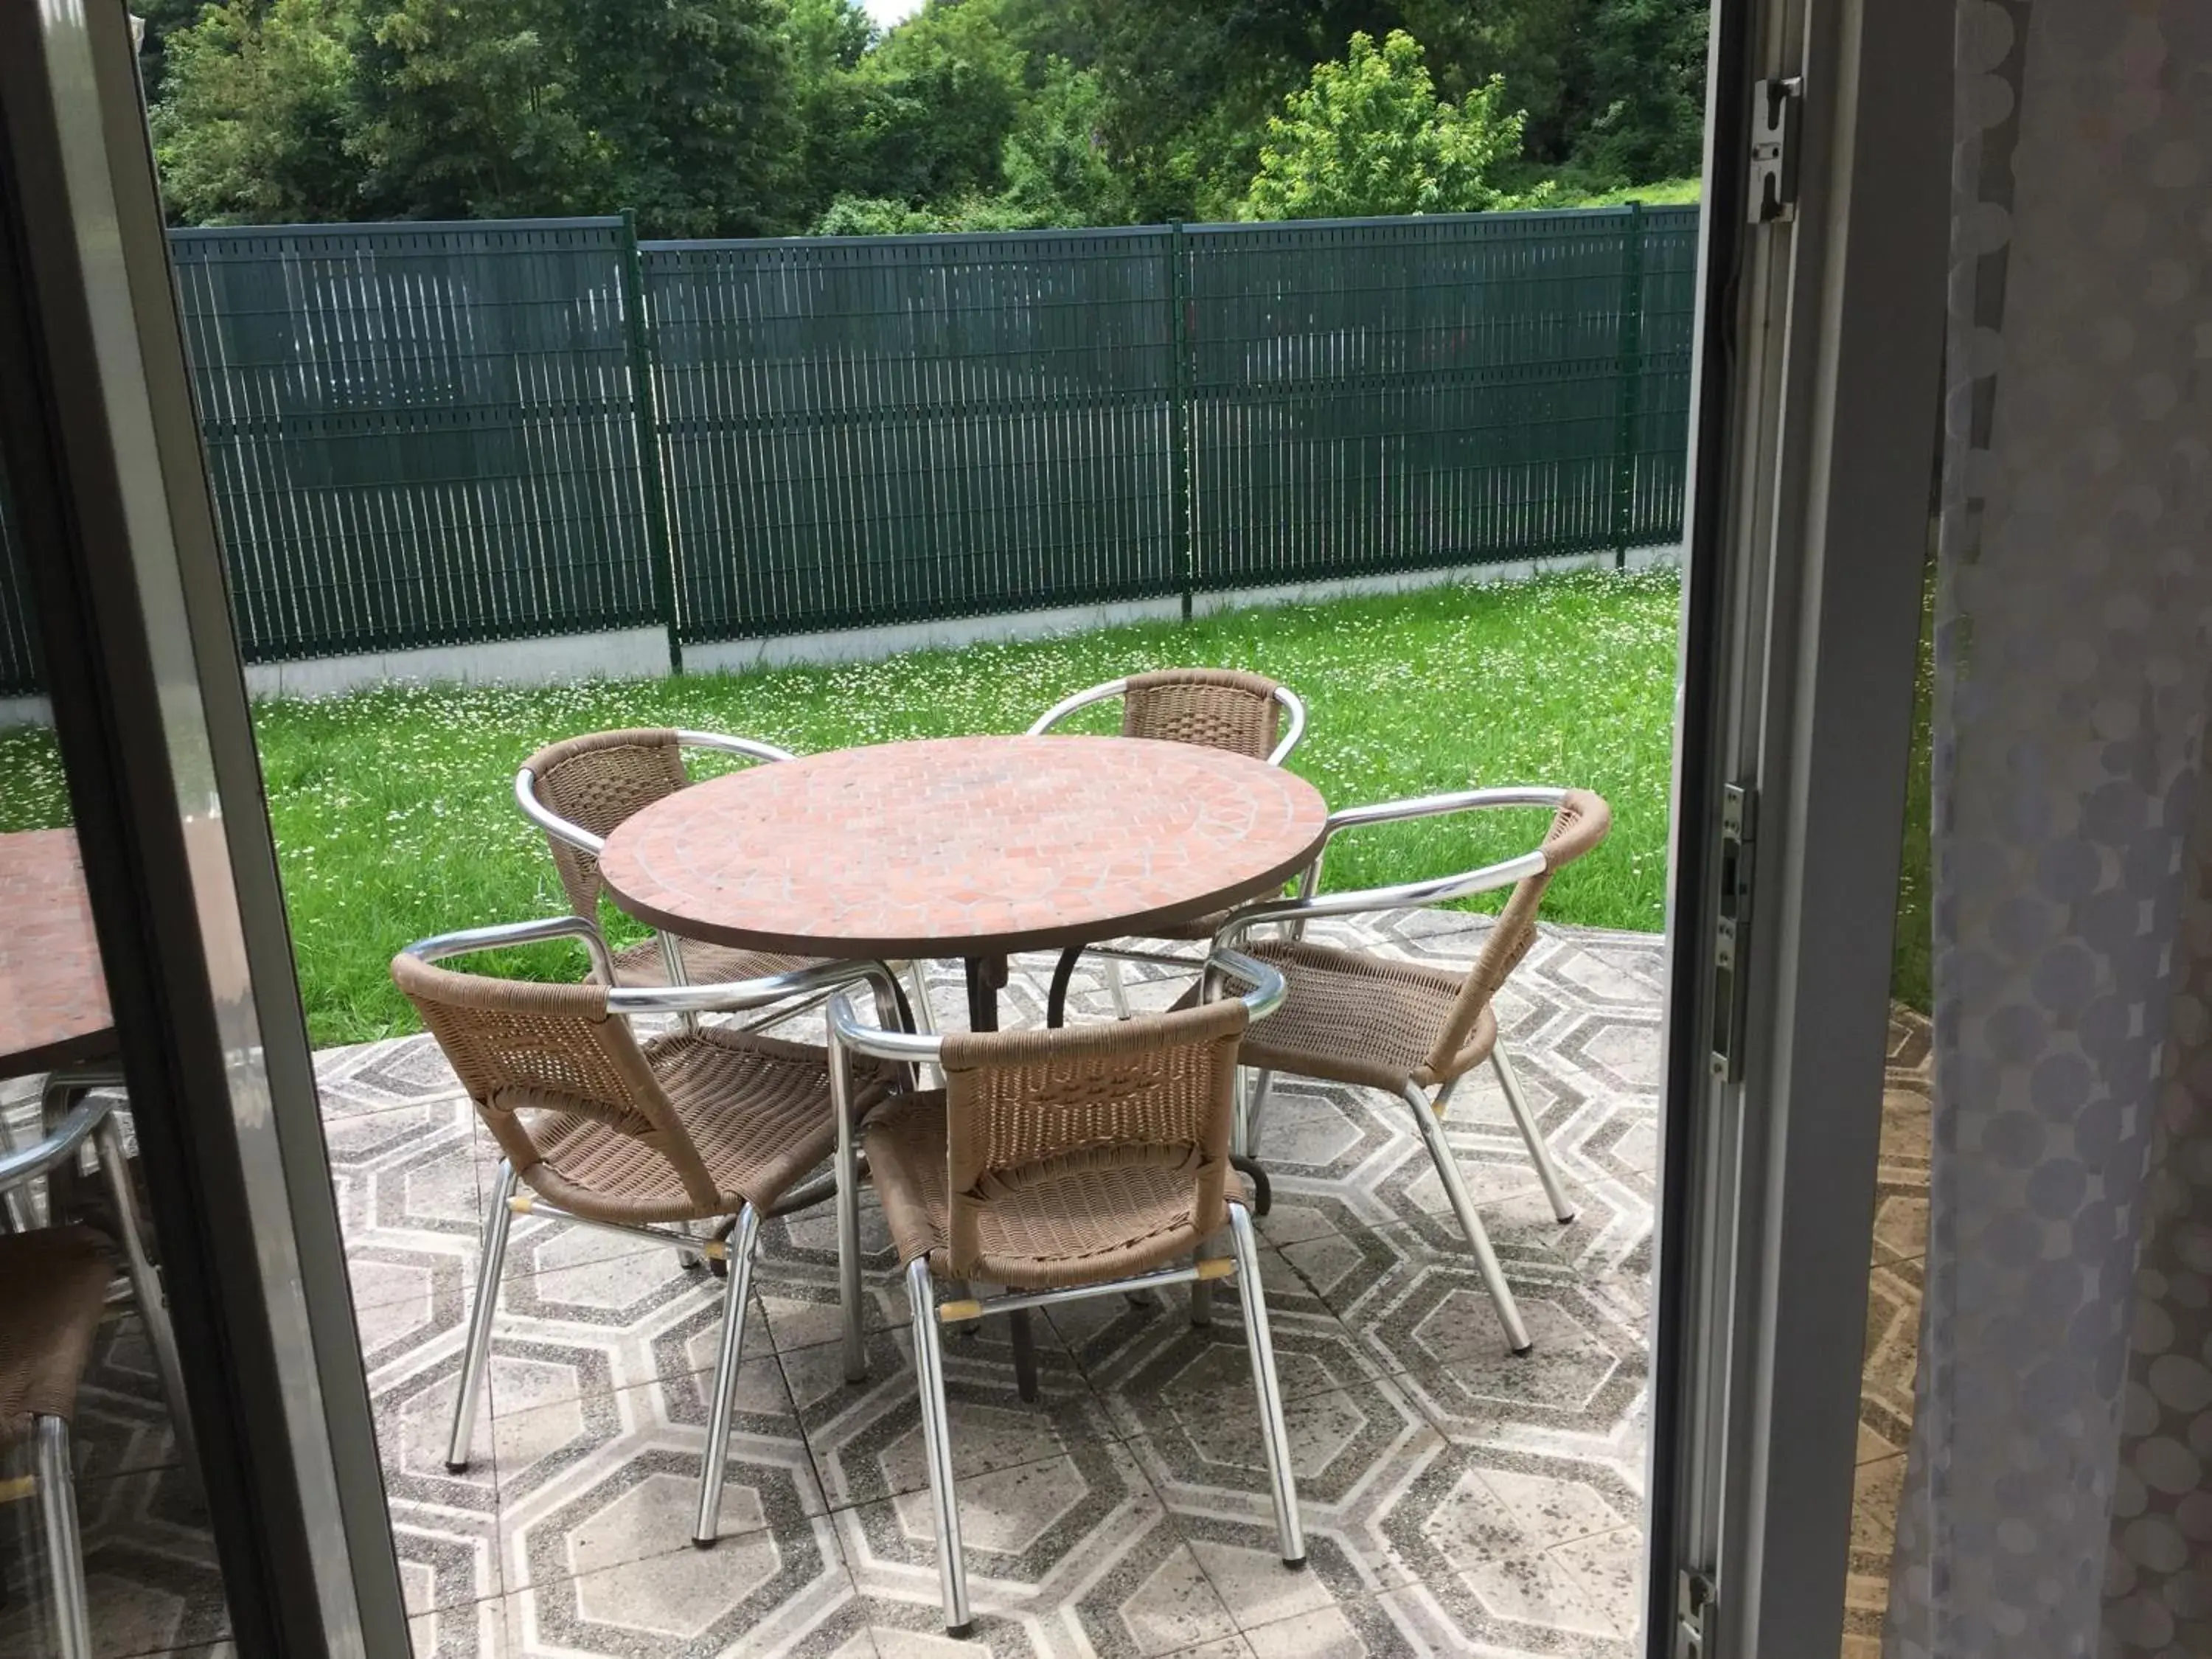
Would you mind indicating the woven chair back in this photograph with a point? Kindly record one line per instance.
(1211, 708)
(595, 782)
(1580, 824)
(1150, 1093)
(534, 1058)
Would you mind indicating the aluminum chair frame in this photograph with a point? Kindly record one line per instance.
(1293, 914)
(53, 1478)
(1294, 708)
(571, 834)
(848, 1036)
(815, 983)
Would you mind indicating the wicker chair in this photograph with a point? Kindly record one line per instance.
(54, 1289)
(578, 790)
(701, 1125)
(1211, 708)
(1062, 1165)
(1354, 1017)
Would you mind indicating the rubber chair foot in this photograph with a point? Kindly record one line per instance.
(452, 1468)
(1523, 1352)
(1298, 1565)
(961, 1632)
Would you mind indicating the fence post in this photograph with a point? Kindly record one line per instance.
(1181, 528)
(1628, 373)
(648, 441)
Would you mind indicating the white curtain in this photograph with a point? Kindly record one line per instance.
(2058, 1498)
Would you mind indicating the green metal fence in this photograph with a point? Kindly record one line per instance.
(1381, 395)
(424, 433)
(903, 427)
(420, 433)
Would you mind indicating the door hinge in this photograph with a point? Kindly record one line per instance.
(1732, 929)
(1693, 1615)
(1776, 108)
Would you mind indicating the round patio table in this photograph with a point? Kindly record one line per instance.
(972, 848)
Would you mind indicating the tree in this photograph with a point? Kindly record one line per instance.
(251, 126)
(1055, 161)
(1370, 136)
(692, 101)
(466, 112)
(680, 109)
(937, 96)
(1648, 74)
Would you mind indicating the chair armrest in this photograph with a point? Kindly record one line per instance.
(568, 833)
(26, 1163)
(751, 747)
(506, 935)
(1430, 806)
(1066, 706)
(848, 1031)
(734, 996)
(1294, 706)
(1439, 889)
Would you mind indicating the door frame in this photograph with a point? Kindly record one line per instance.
(1819, 366)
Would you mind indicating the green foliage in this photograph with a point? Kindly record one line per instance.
(1664, 193)
(465, 111)
(1370, 136)
(253, 127)
(750, 117)
(1054, 162)
(935, 101)
(1647, 78)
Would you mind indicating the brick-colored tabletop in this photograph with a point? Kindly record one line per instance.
(53, 996)
(963, 847)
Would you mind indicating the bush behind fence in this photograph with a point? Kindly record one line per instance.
(426, 434)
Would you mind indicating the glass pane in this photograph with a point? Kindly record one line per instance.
(99, 1496)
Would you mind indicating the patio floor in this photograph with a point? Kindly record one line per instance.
(1454, 1498)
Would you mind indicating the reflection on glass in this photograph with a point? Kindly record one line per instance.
(104, 1541)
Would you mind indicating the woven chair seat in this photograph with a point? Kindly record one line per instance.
(757, 1109)
(1070, 1220)
(53, 1288)
(1353, 1017)
(703, 963)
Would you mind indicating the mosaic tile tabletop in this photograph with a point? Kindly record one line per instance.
(963, 846)
(53, 995)
(1456, 1499)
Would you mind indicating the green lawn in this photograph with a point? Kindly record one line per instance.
(394, 817)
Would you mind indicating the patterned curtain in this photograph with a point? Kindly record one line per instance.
(2058, 1496)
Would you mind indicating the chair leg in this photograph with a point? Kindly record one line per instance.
(937, 1445)
(64, 1546)
(1517, 1103)
(16, 1202)
(1263, 1082)
(1114, 988)
(849, 1291)
(146, 1287)
(489, 1263)
(738, 1288)
(1260, 1342)
(1025, 1365)
(925, 1019)
(1485, 1259)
